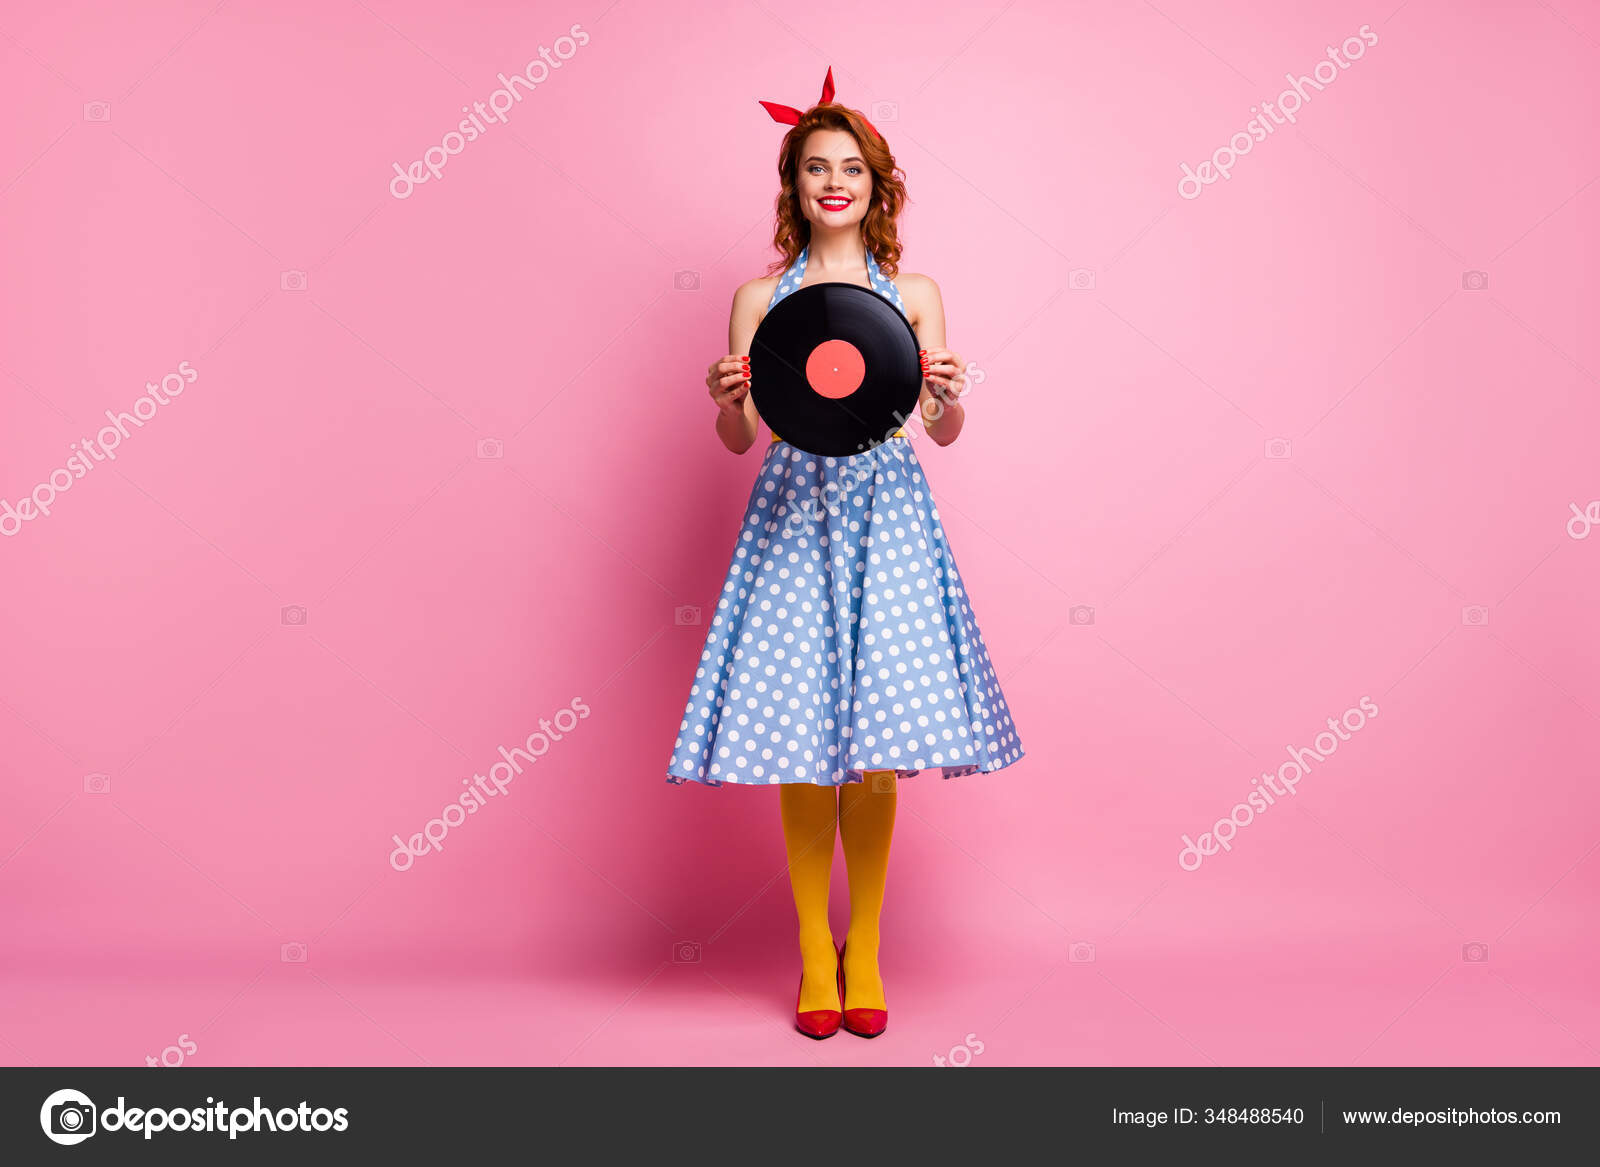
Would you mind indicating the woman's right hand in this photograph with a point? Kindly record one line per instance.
(728, 380)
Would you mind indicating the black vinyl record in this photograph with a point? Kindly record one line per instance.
(834, 369)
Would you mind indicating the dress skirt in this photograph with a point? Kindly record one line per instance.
(843, 641)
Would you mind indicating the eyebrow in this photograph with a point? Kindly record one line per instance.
(819, 158)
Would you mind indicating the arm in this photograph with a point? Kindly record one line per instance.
(942, 382)
(736, 414)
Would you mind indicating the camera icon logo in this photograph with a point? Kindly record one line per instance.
(68, 1117)
(885, 111)
(292, 281)
(686, 281)
(1277, 448)
(1474, 281)
(883, 782)
(294, 614)
(97, 784)
(97, 111)
(685, 614)
(1082, 953)
(1081, 279)
(686, 952)
(490, 448)
(1475, 615)
(293, 952)
(1080, 614)
(1475, 952)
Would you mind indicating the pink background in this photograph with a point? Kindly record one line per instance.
(1114, 460)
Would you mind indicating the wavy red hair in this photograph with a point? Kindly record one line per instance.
(879, 228)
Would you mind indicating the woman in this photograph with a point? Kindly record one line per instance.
(843, 654)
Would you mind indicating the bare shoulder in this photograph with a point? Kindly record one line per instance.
(921, 296)
(757, 290)
(750, 300)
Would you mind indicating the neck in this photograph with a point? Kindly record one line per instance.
(836, 249)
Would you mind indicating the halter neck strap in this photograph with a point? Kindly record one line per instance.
(796, 271)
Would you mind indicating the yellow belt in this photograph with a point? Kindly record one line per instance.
(897, 433)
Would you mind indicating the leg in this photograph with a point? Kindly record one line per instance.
(866, 824)
(809, 815)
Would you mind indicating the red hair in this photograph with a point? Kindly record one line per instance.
(878, 229)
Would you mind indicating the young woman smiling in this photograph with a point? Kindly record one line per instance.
(843, 655)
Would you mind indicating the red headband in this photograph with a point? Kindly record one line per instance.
(788, 115)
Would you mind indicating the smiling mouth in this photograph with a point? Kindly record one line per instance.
(832, 204)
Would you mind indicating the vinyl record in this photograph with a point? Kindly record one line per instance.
(834, 369)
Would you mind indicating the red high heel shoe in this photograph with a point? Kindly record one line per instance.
(861, 1022)
(817, 1023)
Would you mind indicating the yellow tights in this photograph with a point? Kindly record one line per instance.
(864, 817)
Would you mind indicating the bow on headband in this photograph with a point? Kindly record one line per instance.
(788, 115)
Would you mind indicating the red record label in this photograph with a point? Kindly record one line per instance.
(835, 369)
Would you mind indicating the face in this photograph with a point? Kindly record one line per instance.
(834, 184)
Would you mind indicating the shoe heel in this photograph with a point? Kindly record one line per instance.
(861, 1022)
(816, 1023)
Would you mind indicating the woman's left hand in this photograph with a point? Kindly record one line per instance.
(944, 374)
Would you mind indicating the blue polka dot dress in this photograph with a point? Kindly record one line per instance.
(843, 640)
